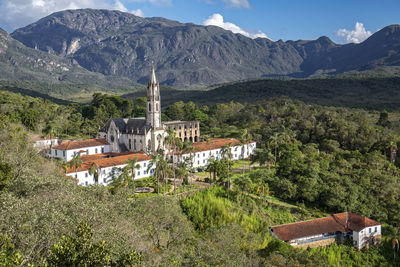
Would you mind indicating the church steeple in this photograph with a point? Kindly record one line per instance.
(153, 115)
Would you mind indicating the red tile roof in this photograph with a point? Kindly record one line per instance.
(92, 157)
(68, 145)
(331, 224)
(215, 143)
(110, 162)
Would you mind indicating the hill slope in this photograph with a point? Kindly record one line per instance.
(371, 93)
(118, 43)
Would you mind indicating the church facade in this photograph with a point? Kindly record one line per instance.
(147, 134)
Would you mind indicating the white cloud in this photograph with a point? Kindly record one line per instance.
(138, 12)
(119, 6)
(237, 3)
(358, 35)
(218, 20)
(19, 13)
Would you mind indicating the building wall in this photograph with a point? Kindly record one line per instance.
(45, 143)
(373, 234)
(185, 130)
(67, 155)
(320, 243)
(200, 159)
(86, 179)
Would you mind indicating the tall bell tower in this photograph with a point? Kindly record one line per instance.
(153, 115)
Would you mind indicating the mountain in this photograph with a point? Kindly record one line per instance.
(22, 67)
(124, 45)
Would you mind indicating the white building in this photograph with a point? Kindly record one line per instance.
(203, 151)
(45, 143)
(325, 231)
(67, 150)
(105, 166)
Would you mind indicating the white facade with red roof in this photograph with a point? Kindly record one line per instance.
(324, 231)
(68, 149)
(109, 164)
(204, 151)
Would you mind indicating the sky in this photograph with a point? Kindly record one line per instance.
(344, 21)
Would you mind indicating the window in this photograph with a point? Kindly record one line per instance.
(156, 106)
(102, 150)
(105, 180)
(86, 174)
(130, 144)
(87, 151)
(95, 150)
(370, 229)
(138, 173)
(86, 183)
(204, 154)
(376, 229)
(198, 162)
(198, 155)
(55, 152)
(204, 161)
(144, 172)
(63, 153)
(149, 107)
(76, 175)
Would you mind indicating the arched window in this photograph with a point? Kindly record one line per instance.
(134, 144)
(156, 106)
(149, 106)
(130, 144)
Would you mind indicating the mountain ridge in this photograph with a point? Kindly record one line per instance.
(186, 55)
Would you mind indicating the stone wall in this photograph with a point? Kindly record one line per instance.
(320, 243)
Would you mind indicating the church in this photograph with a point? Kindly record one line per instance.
(147, 134)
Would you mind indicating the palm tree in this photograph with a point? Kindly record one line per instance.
(157, 162)
(95, 171)
(395, 246)
(76, 162)
(187, 148)
(212, 167)
(244, 140)
(131, 166)
(63, 164)
(50, 132)
(275, 141)
(244, 183)
(175, 145)
(227, 154)
(119, 177)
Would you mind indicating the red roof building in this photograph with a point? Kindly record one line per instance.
(323, 231)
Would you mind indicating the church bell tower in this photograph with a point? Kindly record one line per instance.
(153, 115)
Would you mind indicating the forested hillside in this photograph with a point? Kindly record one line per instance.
(314, 161)
(369, 93)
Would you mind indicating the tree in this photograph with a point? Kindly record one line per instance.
(76, 162)
(6, 175)
(131, 166)
(244, 141)
(175, 145)
(187, 148)
(95, 171)
(159, 164)
(212, 168)
(79, 250)
(8, 255)
(226, 154)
